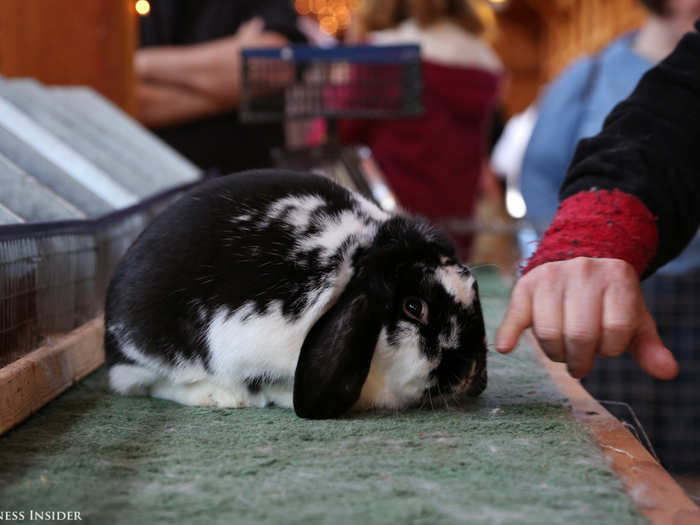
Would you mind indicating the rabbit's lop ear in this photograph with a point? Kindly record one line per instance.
(336, 356)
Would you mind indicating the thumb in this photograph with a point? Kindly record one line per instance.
(517, 319)
(650, 353)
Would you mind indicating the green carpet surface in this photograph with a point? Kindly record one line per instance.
(514, 455)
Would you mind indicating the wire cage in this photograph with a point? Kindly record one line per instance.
(300, 81)
(54, 275)
(80, 179)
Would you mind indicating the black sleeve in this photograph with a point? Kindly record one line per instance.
(184, 22)
(280, 16)
(650, 147)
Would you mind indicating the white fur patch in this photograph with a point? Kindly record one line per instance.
(245, 344)
(131, 379)
(184, 371)
(372, 210)
(140, 377)
(333, 230)
(299, 209)
(398, 375)
(203, 393)
(336, 232)
(457, 285)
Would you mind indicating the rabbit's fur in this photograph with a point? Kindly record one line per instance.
(274, 287)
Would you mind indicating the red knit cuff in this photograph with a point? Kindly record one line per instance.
(599, 223)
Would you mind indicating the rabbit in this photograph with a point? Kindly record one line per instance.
(284, 288)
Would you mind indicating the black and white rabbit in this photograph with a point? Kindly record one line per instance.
(274, 287)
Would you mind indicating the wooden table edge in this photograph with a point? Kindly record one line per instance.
(32, 381)
(651, 487)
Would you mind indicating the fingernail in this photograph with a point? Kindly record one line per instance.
(502, 347)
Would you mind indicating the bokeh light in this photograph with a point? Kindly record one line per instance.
(143, 7)
(332, 15)
(329, 24)
(303, 7)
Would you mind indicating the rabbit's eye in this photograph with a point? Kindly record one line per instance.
(416, 309)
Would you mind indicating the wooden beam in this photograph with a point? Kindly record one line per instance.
(656, 493)
(72, 43)
(35, 379)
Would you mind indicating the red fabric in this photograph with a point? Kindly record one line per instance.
(433, 162)
(601, 223)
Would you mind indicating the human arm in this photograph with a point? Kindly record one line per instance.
(649, 148)
(580, 307)
(210, 69)
(181, 83)
(161, 105)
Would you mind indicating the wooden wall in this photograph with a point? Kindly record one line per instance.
(538, 38)
(520, 44)
(90, 42)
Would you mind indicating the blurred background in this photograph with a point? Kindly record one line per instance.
(93, 43)
(105, 45)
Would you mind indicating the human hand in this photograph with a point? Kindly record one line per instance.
(250, 30)
(583, 307)
(253, 34)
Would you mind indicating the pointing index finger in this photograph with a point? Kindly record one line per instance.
(518, 317)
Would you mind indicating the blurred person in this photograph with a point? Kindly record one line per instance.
(434, 162)
(188, 74)
(573, 108)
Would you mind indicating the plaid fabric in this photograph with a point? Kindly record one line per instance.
(669, 411)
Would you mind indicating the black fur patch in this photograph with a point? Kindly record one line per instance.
(255, 384)
(199, 256)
